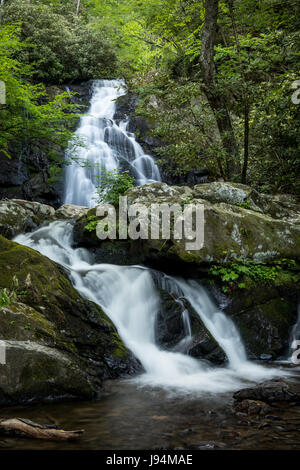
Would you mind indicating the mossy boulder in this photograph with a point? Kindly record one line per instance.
(48, 322)
(230, 231)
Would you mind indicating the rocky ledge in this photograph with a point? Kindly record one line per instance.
(57, 344)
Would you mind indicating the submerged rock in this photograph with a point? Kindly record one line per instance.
(271, 392)
(58, 344)
(252, 407)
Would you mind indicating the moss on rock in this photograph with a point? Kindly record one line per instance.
(50, 313)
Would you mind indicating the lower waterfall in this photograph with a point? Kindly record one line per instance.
(128, 295)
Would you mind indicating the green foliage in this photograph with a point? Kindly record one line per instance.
(29, 116)
(155, 45)
(245, 204)
(7, 297)
(61, 46)
(112, 185)
(159, 43)
(237, 272)
(92, 223)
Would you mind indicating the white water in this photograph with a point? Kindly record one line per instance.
(129, 297)
(107, 146)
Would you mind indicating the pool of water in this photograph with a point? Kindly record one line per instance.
(133, 418)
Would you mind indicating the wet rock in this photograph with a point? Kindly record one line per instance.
(271, 392)
(39, 188)
(171, 324)
(265, 315)
(265, 357)
(252, 407)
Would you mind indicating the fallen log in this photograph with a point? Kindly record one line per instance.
(19, 427)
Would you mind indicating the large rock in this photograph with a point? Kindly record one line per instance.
(230, 231)
(57, 343)
(17, 216)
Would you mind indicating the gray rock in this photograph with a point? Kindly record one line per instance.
(70, 211)
(17, 216)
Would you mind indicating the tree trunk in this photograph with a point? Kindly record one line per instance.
(215, 98)
(244, 94)
(246, 142)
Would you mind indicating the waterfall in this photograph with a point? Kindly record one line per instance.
(129, 296)
(100, 145)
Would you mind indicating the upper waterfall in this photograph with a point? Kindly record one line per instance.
(104, 145)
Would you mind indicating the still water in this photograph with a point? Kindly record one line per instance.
(133, 418)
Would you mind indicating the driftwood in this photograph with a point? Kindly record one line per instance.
(20, 427)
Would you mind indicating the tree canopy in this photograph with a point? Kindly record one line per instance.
(237, 118)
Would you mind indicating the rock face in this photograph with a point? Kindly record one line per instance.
(230, 231)
(265, 314)
(174, 318)
(27, 174)
(57, 343)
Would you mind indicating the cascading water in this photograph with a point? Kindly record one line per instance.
(106, 146)
(130, 298)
